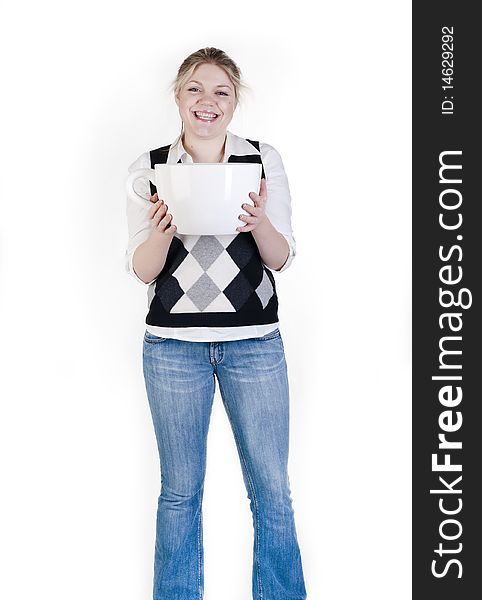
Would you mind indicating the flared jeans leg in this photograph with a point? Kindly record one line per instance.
(253, 382)
(180, 388)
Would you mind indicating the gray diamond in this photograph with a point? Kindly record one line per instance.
(203, 292)
(206, 250)
(264, 290)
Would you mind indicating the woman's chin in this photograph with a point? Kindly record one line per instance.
(207, 130)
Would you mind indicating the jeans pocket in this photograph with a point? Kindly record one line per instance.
(271, 335)
(153, 339)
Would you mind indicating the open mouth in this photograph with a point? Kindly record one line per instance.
(205, 116)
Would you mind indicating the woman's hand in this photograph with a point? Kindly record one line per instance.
(161, 220)
(257, 214)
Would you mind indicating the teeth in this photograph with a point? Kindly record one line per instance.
(205, 115)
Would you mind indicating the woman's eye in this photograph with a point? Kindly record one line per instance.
(193, 89)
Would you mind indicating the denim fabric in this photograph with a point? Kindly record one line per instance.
(253, 382)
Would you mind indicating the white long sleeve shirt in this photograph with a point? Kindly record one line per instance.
(278, 211)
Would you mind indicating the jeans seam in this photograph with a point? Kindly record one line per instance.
(251, 485)
(199, 542)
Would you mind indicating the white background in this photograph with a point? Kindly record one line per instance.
(84, 93)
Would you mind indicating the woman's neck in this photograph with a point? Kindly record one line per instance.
(205, 151)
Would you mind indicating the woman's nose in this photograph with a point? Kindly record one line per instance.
(208, 97)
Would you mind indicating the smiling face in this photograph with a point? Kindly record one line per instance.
(207, 102)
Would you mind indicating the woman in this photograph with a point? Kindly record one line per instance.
(213, 315)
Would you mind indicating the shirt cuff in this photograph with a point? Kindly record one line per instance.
(130, 269)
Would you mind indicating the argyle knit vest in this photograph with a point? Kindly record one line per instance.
(212, 280)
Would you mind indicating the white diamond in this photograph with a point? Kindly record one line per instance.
(188, 240)
(225, 240)
(220, 304)
(184, 305)
(223, 270)
(188, 272)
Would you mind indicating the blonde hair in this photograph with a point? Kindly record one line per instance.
(212, 56)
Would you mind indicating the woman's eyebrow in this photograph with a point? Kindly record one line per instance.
(221, 85)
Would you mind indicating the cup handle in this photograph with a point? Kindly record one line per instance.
(131, 193)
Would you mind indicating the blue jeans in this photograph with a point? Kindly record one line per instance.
(253, 383)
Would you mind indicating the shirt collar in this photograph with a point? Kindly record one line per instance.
(235, 145)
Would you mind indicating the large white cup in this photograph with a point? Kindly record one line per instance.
(203, 198)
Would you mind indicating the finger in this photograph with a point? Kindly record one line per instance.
(165, 221)
(255, 198)
(262, 187)
(258, 200)
(248, 218)
(155, 206)
(160, 213)
(252, 210)
(157, 210)
(246, 228)
(155, 198)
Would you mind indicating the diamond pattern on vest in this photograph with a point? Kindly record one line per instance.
(217, 274)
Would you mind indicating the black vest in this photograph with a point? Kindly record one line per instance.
(217, 281)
